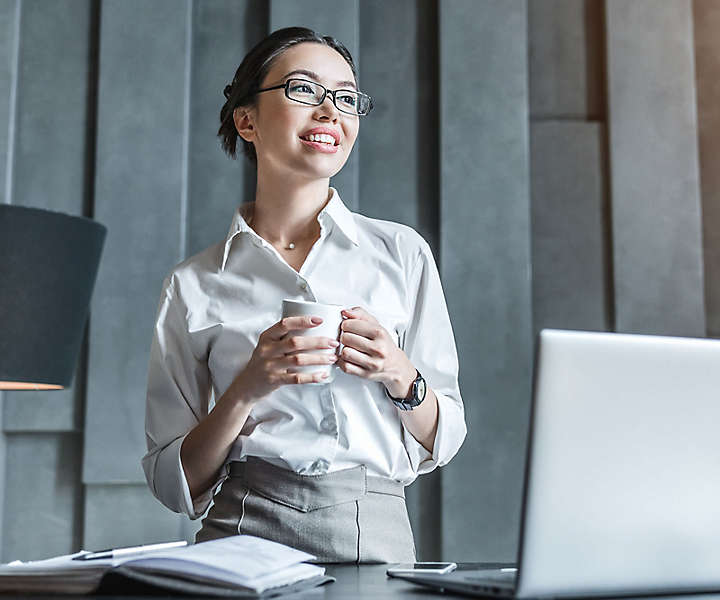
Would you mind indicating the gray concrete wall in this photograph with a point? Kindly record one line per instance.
(485, 261)
(656, 227)
(547, 150)
(706, 22)
(45, 151)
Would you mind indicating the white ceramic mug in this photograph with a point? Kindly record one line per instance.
(330, 327)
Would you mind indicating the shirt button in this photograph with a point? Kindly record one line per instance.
(319, 466)
(327, 425)
(303, 285)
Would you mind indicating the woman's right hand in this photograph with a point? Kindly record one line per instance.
(276, 352)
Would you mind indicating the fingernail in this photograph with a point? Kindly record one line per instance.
(316, 320)
(334, 344)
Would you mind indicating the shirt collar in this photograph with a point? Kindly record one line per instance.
(335, 208)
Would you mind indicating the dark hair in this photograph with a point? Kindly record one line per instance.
(251, 72)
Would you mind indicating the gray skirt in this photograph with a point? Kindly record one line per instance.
(345, 516)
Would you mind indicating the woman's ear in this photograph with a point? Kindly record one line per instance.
(243, 123)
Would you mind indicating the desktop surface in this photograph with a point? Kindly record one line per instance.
(367, 581)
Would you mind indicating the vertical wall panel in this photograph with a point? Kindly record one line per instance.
(399, 70)
(141, 192)
(222, 32)
(49, 155)
(485, 252)
(48, 170)
(707, 67)
(3, 488)
(654, 168)
(43, 501)
(9, 42)
(46, 411)
(566, 59)
(568, 249)
(398, 47)
(139, 189)
(338, 19)
(127, 515)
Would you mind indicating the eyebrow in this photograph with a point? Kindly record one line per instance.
(316, 77)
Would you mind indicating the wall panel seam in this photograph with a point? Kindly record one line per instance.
(185, 168)
(12, 115)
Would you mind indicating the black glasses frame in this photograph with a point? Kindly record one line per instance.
(326, 91)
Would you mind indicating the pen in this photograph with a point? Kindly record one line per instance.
(119, 552)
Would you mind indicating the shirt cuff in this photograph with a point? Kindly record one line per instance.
(173, 481)
(421, 460)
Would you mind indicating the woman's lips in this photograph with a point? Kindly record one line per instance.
(321, 146)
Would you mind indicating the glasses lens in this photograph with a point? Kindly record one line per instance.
(303, 91)
(348, 101)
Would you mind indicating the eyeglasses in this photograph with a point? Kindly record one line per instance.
(314, 94)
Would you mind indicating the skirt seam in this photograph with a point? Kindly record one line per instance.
(242, 511)
(357, 524)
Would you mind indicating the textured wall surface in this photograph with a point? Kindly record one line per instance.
(657, 233)
(485, 262)
(707, 68)
(558, 156)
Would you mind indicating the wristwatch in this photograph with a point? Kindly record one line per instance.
(419, 389)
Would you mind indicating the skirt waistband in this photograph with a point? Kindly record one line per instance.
(310, 492)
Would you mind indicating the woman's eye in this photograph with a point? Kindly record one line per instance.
(302, 86)
(348, 100)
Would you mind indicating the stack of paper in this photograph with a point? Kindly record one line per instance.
(243, 563)
(59, 573)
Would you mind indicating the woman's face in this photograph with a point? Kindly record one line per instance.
(276, 124)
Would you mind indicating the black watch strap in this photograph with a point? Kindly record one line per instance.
(416, 397)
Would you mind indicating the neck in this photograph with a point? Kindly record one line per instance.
(286, 211)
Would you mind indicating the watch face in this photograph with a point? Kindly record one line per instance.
(421, 389)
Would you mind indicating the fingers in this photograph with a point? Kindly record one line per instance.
(287, 324)
(296, 378)
(303, 343)
(286, 355)
(310, 358)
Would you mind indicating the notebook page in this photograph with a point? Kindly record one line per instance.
(239, 558)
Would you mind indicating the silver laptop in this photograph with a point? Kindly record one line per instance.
(622, 482)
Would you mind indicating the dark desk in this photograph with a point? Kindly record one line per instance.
(366, 582)
(370, 581)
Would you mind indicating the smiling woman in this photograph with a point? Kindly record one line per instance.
(319, 467)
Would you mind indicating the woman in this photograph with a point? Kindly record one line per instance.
(318, 467)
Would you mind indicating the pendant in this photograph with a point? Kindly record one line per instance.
(291, 246)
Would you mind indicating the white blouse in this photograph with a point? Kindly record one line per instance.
(215, 305)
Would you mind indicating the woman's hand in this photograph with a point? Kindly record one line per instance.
(371, 352)
(277, 353)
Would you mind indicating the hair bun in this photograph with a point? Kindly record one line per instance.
(227, 90)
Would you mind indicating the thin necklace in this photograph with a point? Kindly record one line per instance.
(290, 246)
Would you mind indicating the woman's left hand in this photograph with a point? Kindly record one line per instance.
(371, 353)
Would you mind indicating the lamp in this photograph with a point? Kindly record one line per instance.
(48, 265)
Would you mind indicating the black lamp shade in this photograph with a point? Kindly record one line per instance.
(48, 266)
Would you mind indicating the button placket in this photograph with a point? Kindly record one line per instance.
(319, 466)
(329, 424)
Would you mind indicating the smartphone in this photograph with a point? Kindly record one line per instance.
(437, 568)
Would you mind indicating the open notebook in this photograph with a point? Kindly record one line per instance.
(240, 565)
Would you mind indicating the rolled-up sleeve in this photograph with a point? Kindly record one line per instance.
(429, 343)
(178, 393)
